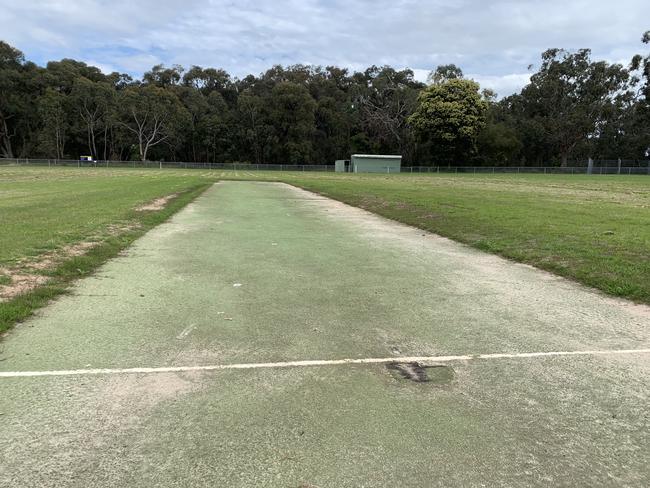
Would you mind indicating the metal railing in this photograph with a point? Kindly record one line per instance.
(599, 167)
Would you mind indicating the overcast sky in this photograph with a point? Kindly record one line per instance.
(492, 41)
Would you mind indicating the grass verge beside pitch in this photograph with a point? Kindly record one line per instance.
(595, 230)
(41, 216)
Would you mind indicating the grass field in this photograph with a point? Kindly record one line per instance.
(595, 230)
(43, 210)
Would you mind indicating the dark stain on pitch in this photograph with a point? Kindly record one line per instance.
(436, 374)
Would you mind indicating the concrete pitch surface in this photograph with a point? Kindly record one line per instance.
(261, 272)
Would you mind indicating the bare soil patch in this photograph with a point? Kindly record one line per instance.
(27, 274)
(157, 204)
(20, 283)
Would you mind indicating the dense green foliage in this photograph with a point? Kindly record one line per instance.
(450, 115)
(573, 108)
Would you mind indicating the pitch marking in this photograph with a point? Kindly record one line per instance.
(318, 362)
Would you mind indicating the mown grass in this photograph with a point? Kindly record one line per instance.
(41, 211)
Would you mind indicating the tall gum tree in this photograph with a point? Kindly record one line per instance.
(572, 96)
(153, 114)
(18, 92)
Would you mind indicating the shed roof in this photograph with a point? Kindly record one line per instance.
(377, 156)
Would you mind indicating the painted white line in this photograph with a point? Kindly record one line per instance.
(319, 362)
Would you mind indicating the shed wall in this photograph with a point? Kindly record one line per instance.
(376, 165)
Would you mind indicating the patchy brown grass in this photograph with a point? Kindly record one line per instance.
(30, 273)
(157, 204)
(19, 283)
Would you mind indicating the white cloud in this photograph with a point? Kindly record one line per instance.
(495, 41)
(502, 85)
(137, 63)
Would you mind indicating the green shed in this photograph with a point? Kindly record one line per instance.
(375, 163)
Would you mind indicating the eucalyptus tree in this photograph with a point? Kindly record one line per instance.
(94, 103)
(385, 105)
(640, 120)
(152, 115)
(254, 128)
(443, 73)
(163, 77)
(573, 97)
(215, 129)
(209, 80)
(53, 107)
(20, 86)
(291, 113)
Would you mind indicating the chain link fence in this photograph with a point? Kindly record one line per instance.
(604, 167)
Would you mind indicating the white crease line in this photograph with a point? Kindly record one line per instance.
(318, 362)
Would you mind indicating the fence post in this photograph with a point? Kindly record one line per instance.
(619, 166)
(590, 166)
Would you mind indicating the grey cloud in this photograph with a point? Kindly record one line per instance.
(495, 41)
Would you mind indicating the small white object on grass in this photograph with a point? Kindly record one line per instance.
(236, 285)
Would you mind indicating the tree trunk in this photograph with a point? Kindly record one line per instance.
(143, 150)
(565, 158)
(105, 142)
(5, 143)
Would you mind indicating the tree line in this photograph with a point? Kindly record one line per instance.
(574, 107)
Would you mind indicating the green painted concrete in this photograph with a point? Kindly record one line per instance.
(320, 280)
